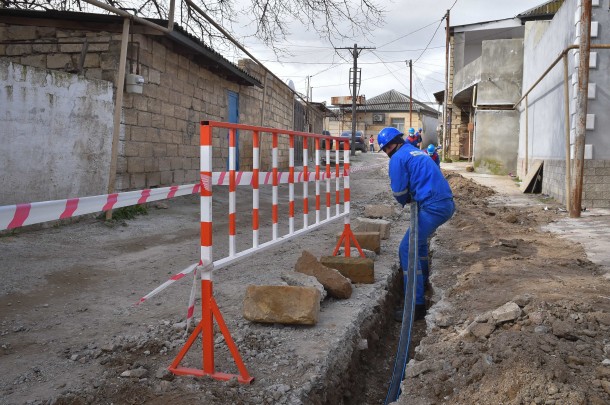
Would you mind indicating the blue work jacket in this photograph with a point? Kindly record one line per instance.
(414, 176)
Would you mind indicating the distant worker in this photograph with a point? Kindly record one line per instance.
(413, 138)
(371, 144)
(413, 176)
(434, 154)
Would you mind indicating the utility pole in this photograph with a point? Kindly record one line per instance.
(410, 93)
(355, 83)
(584, 48)
(307, 91)
(446, 130)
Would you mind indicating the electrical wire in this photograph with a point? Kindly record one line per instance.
(431, 39)
(406, 35)
(426, 92)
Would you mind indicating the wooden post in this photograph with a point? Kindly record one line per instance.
(584, 49)
(118, 107)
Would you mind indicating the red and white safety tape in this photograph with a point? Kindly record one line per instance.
(169, 282)
(15, 216)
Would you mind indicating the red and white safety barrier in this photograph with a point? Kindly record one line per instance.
(209, 309)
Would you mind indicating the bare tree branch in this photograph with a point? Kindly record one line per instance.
(333, 20)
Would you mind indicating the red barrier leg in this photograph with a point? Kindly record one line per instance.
(346, 237)
(206, 328)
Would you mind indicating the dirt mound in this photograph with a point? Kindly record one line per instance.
(466, 190)
(554, 350)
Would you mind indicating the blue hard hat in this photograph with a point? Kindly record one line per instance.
(411, 130)
(431, 149)
(419, 130)
(386, 135)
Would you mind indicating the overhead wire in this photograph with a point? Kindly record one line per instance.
(406, 35)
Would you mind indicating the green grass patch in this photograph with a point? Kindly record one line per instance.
(127, 213)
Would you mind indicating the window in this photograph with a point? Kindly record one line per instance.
(399, 124)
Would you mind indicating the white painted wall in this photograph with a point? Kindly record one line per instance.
(546, 127)
(55, 132)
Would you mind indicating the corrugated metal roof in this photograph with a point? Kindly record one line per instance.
(204, 55)
(393, 100)
(544, 10)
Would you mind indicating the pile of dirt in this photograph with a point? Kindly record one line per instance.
(553, 349)
(466, 190)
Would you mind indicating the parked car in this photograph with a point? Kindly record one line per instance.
(323, 142)
(360, 144)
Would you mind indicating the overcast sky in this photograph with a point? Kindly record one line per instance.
(383, 68)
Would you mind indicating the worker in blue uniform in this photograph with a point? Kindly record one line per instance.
(414, 138)
(432, 152)
(415, 177)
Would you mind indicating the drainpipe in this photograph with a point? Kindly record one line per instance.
(566, 102)
(527, 166)
(118, 107)
(471, 133)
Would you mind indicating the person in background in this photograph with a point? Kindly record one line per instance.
(371, 144)
(415, 177)
(434, 154)
(413, 138)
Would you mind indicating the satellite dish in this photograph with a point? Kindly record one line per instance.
(290, 84)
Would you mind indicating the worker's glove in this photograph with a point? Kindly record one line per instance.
(403, 199)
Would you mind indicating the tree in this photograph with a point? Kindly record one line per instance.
(267, 20)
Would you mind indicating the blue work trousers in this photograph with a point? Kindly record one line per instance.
(431, 216)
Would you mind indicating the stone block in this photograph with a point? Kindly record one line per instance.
(153, 179)
(282, 304)
(138, 134)
(135, 165)
(303, 280)
(59, 61)
(138, 181)
(357, 269)
(507, 312)
(379, 211)
(336, 285)
(373, 225)
(367, 240)
(21, 32)
(39, 61)
(353, 252)
(482, 330)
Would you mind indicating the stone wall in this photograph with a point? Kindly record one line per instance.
(159, 143)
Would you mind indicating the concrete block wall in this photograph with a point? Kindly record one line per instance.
(596, 182)
(554, 180)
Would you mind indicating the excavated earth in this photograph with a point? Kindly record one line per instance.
(71, 334)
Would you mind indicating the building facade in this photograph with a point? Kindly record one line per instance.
(389, 109)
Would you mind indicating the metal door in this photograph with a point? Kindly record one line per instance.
(234, 119)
